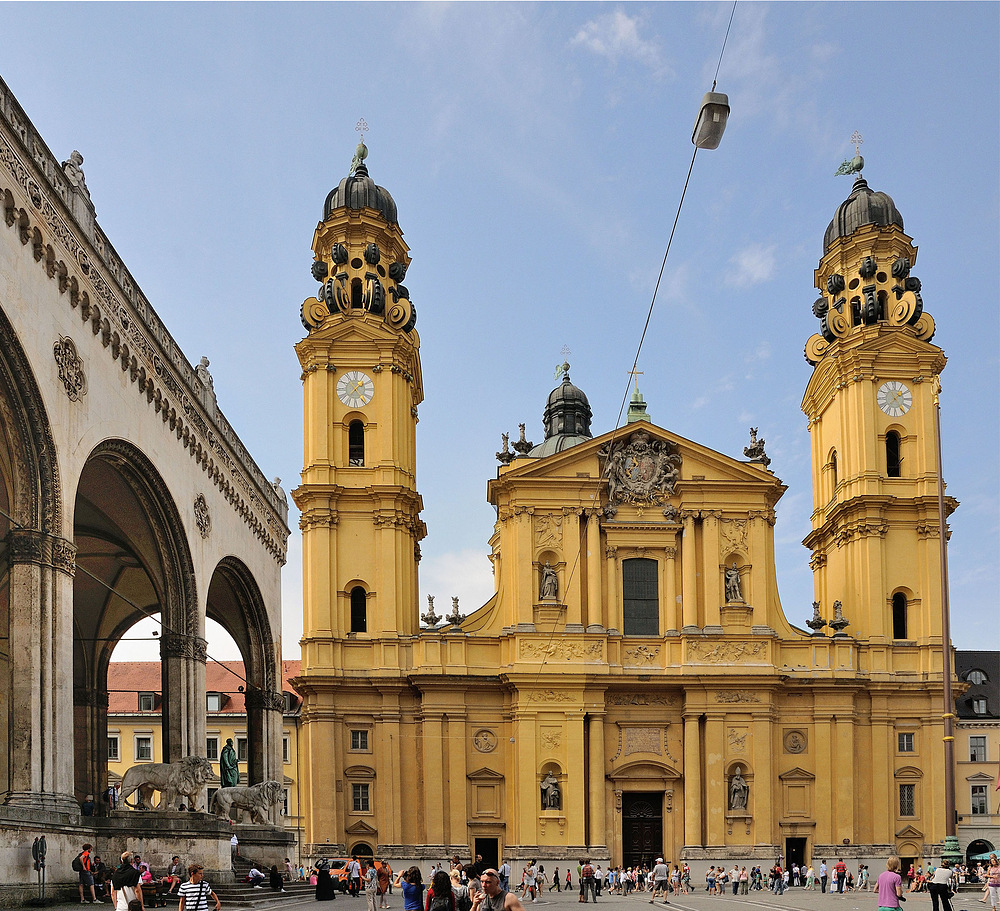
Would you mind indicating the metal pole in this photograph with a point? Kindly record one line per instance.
(951, 849)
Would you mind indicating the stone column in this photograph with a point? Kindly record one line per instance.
(613, 609)
(595, 603)
(712, 569)
(692, 782)
(689, 576)
(265, 714)
(717, 798)
(41, 654)
(597, 836)
(182, 677)
(671, 614)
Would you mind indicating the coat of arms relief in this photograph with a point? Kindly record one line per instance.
(642, 470)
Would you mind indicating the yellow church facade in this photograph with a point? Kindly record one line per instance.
(634, 687)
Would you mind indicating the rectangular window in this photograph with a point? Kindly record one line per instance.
(907, 800)
(214, 702)
(980, 807)
(114, 748)
(640, 598)
(241, 749)
(284, 802)
(211, 794)
(147, 702)
(143, 748)
(359, 740)
(286, 749)
(977, 749)
(289, 699)
(979, 706)
(212, 748)
(360, 798)
(906, 743)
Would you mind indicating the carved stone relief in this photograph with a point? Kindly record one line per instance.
(737, 739)
(641, 654)
(640, 699)
(202, 516)
(549, 696)
(484, 740)
(643, 740)
(548, 530)
(562, 650)
(551, 739)
(70, 366)
(642, 470)
(795, 741)
(714, 652)
(736, 696)
(734, 535)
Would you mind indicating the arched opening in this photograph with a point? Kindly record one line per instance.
(893, 462)
(356, 444)
(362, 849)
(640, 598)
(133, 560)
(833, 474)
(359, 610)
(899, 625)
(357, 294)
(35, 648)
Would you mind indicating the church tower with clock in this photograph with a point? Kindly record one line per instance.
(871, 404)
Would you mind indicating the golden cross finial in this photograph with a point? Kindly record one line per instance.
(857, 140)
(635, 374)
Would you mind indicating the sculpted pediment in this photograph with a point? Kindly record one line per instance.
(909, 832)
(484, 775)
(359, 771)
(361, 828)
(797, 774)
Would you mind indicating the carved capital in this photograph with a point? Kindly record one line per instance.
(671, 552)
(267, 700)
(64, 556)
(611, 551)
(83, 695)
(25, 545)
(176, 645)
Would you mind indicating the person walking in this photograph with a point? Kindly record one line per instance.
(889, 885)
(125, 886)
(384, 878)
(556, 884)
(587, 881)
(85, 869)
(993, 881)
(354, 876)
(840, 870)
(493, 897)
(196, 894)
(369, 877)
(810, 879)
(822, 876)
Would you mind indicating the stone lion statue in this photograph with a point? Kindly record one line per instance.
(183, 778)
(255, 799)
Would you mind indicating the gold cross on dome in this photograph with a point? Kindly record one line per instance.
(635, 374)
(362, 128)
(857, 140)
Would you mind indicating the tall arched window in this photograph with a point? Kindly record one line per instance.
(640, 598)
(356, 444)
(357, 294)
(899, 616)
(892, 459)
(833, 471)
(359, 610)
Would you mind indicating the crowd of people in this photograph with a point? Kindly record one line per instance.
(131, 885)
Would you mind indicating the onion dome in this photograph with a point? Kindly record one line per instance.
(359, 191)
(863, 207)
(566, 419)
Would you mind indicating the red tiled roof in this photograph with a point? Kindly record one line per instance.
(126, 679)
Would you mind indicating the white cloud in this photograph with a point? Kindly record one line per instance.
(754, 264)
(616, 36)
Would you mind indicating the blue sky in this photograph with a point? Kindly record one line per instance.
(536, 153)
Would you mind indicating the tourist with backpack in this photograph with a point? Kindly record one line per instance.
(196, 894)
(125, 885)
(82, 866)
(440, 896)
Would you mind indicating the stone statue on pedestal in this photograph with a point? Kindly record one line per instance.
(229, 766)
(739, 791)
(551, 795)
(549, 590)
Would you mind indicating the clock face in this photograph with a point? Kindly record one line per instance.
(894, 398)
(355, 389)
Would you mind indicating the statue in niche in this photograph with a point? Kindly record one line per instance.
(229, 766)
(739, 791)
(549, 590)
(734, 590)
(551, 795)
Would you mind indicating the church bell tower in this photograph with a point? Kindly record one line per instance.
(870, 404)
(362, 384)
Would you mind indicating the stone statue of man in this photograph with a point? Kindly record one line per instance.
(229, 766)
(551, 796)
(550, 584)
(733, 589)
(739, 791)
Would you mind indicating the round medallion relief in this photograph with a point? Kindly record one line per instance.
(485, 741)
(795, 742)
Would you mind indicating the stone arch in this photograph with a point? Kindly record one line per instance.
(134, 560)
(36, 566)
(235, 603)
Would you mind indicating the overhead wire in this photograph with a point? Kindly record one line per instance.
(590, 513)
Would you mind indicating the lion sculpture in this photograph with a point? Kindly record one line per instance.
(256, 799)
(184, 778)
